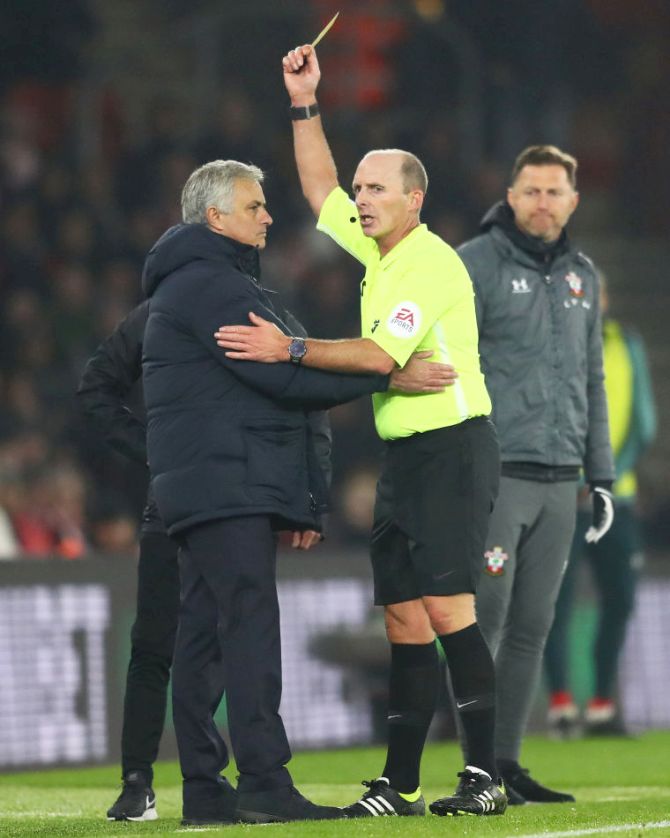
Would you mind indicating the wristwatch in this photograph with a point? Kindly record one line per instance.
(304, 112)
(297, 349)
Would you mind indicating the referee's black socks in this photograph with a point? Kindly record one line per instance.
(413, 689)
(473, 681)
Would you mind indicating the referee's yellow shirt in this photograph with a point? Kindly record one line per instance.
(419, 296)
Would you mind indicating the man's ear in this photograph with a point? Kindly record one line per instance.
(416, 197)
(214, 217)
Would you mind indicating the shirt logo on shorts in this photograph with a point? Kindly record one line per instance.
(405, 320)
(495, 561)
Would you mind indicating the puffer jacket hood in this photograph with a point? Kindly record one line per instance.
(501, 215)
(184, 244)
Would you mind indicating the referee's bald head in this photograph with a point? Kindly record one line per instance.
(412, 170)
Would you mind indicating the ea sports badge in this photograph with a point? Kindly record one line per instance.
(405, 320)
(495, 561)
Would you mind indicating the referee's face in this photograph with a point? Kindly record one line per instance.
(386, 211)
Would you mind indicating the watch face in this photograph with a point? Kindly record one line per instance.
(297, 349)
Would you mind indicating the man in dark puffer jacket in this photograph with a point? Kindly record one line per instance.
(108, 388)
(230, 465)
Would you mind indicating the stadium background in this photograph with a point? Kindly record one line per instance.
(105, 109)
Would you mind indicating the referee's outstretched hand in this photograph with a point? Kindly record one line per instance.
(422, 376)
(263, 341)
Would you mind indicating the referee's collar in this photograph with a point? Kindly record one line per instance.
(398, 249)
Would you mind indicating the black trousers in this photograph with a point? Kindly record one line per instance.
(229, 620)
(153, 639)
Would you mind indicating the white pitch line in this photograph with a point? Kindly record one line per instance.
(604, 830)
(188, 829)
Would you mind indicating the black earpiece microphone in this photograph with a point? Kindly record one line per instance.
(353, 219)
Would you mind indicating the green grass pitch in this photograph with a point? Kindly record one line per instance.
(622, 788)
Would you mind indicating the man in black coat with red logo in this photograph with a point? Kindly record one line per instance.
(231, 463)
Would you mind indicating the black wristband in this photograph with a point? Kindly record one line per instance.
(306, 112)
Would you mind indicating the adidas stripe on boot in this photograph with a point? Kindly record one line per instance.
(381, 800)
(476, 794)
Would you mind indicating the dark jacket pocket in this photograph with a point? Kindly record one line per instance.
(276, 461)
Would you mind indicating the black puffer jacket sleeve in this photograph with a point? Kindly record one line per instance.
(108, 377)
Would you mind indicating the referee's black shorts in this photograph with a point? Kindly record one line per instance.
(434, 498)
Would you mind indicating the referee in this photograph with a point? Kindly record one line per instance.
(440, 475)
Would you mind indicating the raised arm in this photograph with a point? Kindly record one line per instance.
(316, 167)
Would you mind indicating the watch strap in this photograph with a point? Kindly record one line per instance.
(305, 112)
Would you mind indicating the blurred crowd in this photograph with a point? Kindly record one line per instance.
(75, 227)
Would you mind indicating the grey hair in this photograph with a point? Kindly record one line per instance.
(212, 185)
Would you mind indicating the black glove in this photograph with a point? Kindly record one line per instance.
(603, 510)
